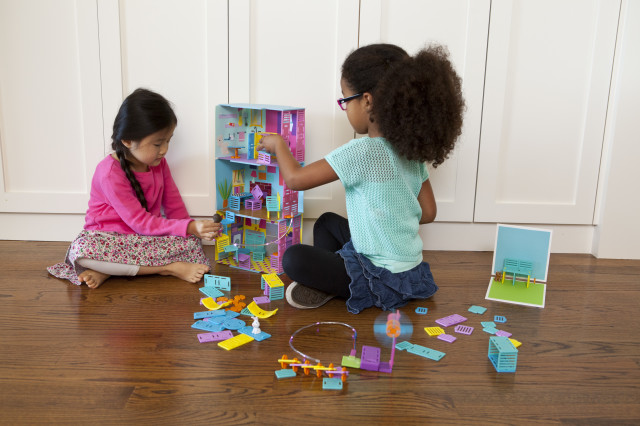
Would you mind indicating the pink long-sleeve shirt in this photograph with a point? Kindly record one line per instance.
(113, 205)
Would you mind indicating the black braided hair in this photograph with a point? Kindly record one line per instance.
(417, 101)
(141, 114)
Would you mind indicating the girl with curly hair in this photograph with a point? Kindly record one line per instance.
(411, 109)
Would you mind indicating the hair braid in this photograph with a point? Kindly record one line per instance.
(142, 113)
(131, 177)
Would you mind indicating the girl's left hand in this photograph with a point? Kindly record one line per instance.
(204, 229)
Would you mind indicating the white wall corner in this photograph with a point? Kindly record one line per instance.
(617, 218)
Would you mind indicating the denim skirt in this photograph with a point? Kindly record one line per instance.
(375, 286)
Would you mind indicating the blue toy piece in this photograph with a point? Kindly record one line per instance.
(331, 383)
(285, 373)
(477, 309)
(421, 311)
(499, 318)
(502, 354)
(217, 281)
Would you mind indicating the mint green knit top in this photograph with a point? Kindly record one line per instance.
(381, 191)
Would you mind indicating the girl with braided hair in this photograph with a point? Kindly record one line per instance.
(410, 108)
(137, 223)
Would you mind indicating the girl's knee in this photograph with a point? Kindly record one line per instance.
(293, 259)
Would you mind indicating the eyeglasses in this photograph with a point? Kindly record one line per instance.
(343, 101)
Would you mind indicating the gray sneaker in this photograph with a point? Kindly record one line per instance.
(302, 297)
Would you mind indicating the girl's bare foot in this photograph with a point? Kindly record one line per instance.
(93, 279)
(190, 272)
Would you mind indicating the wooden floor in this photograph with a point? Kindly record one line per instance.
(126, 353)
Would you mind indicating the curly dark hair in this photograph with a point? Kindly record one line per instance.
(418, 102)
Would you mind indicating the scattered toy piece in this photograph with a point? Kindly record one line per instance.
(463, 329)
(451, 320)
(499, 318)
(235, 341)
(259, 312)
(447, 338)
(477, 309)
(434, 331)
(214, 337)
(421, 311)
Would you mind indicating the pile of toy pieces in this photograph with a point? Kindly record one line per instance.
(220, 323)
(502, 350)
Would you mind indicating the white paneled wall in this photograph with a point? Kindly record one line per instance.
(549, 129)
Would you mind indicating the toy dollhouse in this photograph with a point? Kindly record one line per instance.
(261, 216)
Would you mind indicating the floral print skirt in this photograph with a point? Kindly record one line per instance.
(129, 249)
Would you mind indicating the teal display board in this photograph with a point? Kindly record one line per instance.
(530, 244)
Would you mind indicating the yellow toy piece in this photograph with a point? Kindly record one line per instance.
(434, 331)
(211, 304)
(515, 343)
(259, 312)
(235, 341)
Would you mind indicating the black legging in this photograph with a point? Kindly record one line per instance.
(319, 266)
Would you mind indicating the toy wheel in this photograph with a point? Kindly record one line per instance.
(344, 374)
(283, 364)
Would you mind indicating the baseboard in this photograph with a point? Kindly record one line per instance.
(436, 236)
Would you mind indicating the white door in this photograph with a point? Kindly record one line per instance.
(462, 27)
(289, 52)
(549, 66)
(51, 134)
(178, 49)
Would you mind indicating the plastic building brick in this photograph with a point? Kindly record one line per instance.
(433, 331)
(233, 324)
(426, 352)
(451, 320)
(503, 333)
(285, 373)
(209, 303)
(331, 384)
(234, 203)
(259, 312)
(235, 341)
(403, 345)
(515, 343)
(350, 361)
(499, 318)
(370, 359)
(447, 338)
(488, 324)
(211, 292)
(463, 329)
(244, 261)
(214, 337)
(206, 314)
(490, 330)
(273, 286)
(477, 309)
(207, 326)
(421, 311)
(222, 283)
(261, 299)
(248, 330)
(502, 354)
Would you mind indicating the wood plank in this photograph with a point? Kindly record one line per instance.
(126, 352)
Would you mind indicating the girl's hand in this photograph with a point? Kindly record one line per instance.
(269, 142)
(204, 229)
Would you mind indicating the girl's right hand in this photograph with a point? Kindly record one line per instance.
(204, 229)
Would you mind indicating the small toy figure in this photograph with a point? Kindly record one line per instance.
(256, 326)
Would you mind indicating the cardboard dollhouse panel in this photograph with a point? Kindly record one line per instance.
(522, 243)
(238, 127)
